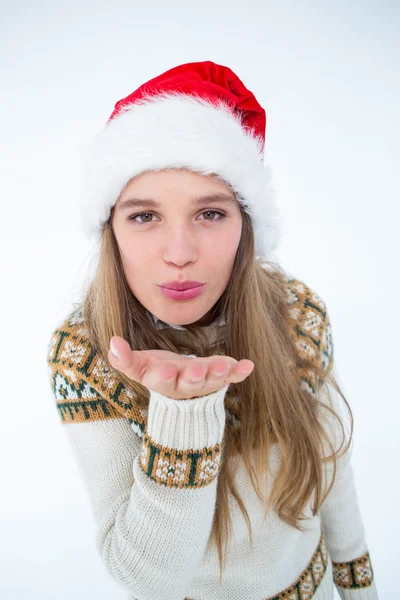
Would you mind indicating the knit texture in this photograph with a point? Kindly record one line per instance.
(151, 472)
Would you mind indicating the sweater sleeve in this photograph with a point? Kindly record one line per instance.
(340, 513)
(152, 493)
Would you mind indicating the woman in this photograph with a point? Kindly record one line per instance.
(195, 380)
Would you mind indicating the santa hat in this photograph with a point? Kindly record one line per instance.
(198, 116)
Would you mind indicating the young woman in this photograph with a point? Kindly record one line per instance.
(195, 381)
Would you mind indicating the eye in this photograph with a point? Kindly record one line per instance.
(133, 217)
(217, 212)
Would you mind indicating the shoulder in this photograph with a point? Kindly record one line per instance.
(69, 355)
(84, 385)
(310, 329)
(69, 343)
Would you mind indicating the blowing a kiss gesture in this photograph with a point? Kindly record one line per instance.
(175, 375)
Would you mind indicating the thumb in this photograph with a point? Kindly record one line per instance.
(119, 347)
(123, 359)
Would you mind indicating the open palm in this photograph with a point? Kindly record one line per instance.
(175, 375)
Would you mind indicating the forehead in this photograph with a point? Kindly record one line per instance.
(177, 177)
(150, 188)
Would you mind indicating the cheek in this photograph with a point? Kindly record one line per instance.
(220, 256)
(135, 254)
(225, 244)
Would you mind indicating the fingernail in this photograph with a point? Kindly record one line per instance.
(113, 350)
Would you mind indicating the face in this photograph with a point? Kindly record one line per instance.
(177, 225)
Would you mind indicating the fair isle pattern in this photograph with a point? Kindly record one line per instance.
(311, 331)
(184, 468)
(308, 581)
(355, 574)
(86, 388)
(83, 384)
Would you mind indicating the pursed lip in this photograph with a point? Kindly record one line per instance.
(181, 285)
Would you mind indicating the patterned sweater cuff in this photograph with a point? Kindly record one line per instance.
(187, 424)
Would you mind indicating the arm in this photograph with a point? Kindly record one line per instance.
(344, 531)
(152, 497)
(340, 515)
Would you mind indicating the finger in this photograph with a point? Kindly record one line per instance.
(212, 370)
(162, 372)
(244, 366)
(120, 348)
(221, 368)
(222, 365)
(225, 365)
(240, 371)
(195, 372)
(132, 363)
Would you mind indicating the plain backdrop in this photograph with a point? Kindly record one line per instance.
(327, 74)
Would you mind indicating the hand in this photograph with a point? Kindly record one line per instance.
(175, 375)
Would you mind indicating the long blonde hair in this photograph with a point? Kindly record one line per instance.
(274, 408)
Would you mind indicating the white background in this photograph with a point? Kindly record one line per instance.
(328, 77)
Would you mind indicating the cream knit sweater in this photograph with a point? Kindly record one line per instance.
(151, 475)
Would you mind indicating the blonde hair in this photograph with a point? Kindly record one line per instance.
(273, 408)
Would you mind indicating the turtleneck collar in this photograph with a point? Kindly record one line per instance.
(159, 324)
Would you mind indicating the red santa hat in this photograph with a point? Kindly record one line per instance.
(198, 116)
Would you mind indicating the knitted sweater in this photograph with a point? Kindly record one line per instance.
(151, 475)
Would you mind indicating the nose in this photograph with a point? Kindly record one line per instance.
(180, 247)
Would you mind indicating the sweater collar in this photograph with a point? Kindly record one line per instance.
(159, 324)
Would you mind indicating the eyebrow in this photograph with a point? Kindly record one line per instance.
(196, 201)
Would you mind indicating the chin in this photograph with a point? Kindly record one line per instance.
(199, 319)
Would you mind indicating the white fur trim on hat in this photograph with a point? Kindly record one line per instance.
(174, 130)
